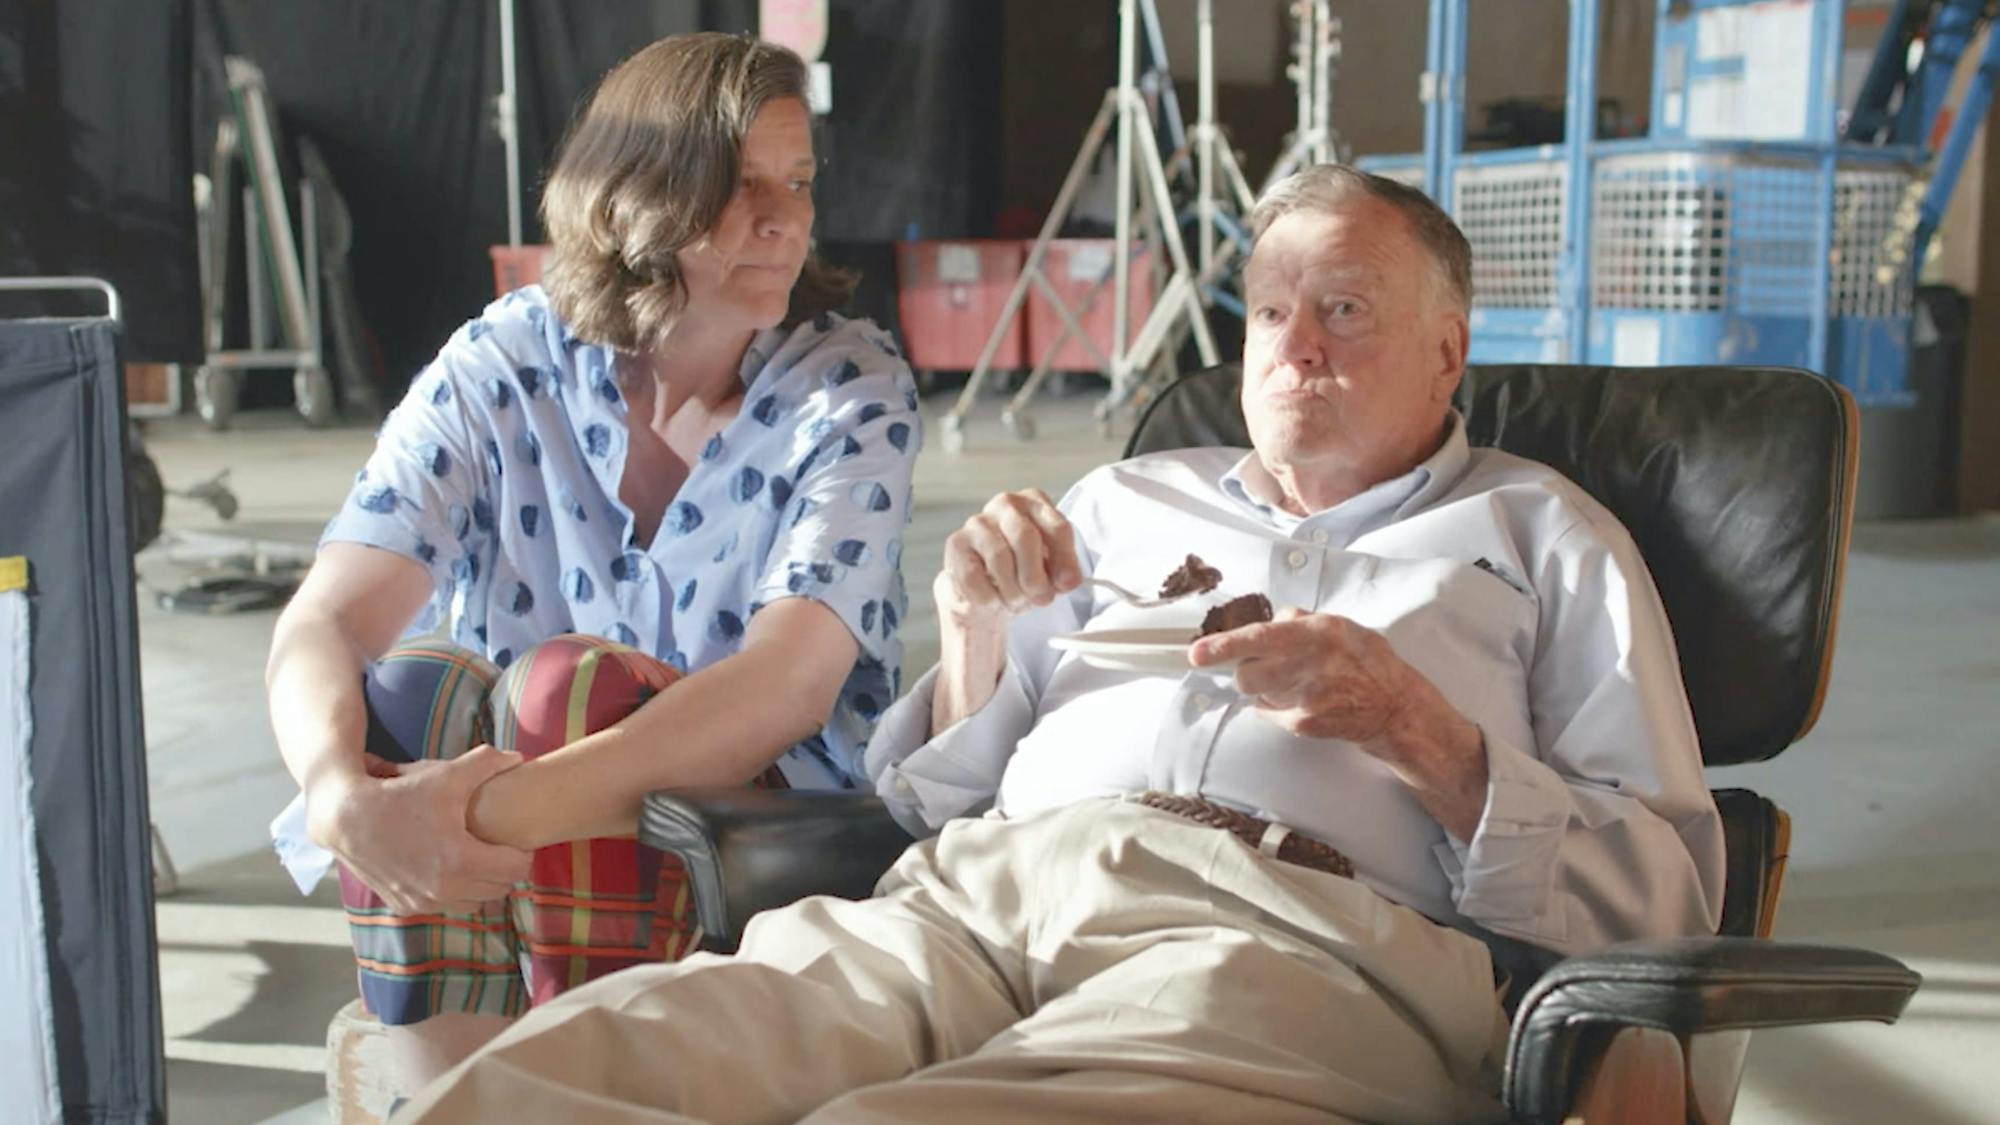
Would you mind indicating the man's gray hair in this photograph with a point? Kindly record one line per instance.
(1325, 187)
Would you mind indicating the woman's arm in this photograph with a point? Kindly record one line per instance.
(405, 836)
(720, 726)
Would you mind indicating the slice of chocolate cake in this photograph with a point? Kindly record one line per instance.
(1236, 613)
(1193, 577)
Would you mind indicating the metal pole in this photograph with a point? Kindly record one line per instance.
(509, 123)
(1580, 129)
(1827, 23)
(254, 274)
(1157, 175)
(1303, 77)
(260, 149)
(1323, 50)
(1121, 258)
(309, 220)
(1957, 143)
(1452, 113)
(1205, 152)
(1430, 91)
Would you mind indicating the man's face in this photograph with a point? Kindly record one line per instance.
(1349, 356)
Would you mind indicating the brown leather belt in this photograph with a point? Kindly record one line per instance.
(1274, 840)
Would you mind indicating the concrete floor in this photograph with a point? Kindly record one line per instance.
(1893, 847)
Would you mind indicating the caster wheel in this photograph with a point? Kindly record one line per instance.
(215, 393)
(147, 492)
(1022, 426)
(954, 433)
(312, 396)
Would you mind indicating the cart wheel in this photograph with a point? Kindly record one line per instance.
(215, 391)
(146, 492)
(1021, 425)
(312, 395)
(954, 433)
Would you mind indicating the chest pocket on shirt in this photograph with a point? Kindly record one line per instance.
(1469, 629)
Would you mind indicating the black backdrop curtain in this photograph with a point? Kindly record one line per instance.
(95, 163)
(398, 96)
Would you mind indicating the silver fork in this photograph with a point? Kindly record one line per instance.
(1132, 599)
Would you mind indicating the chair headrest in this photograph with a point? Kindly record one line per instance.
(1736, 482)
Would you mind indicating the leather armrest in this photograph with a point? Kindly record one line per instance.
(749, 849)
(1684, 987)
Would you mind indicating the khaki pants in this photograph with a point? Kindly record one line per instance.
(1104, 962)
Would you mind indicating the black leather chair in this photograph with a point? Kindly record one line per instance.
(1738, 485)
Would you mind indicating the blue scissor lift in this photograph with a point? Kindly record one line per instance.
(1753, 224)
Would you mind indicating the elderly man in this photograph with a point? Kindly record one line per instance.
(1263, 888)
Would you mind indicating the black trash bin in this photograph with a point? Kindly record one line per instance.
(1909, 454)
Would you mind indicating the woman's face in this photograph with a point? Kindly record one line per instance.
(740, 274)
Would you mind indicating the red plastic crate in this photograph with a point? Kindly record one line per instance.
(1072, 265)
(950, 294)
(515, 266)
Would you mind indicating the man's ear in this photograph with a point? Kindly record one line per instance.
(1453, 343)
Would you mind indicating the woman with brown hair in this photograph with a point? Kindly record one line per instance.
(669, 462)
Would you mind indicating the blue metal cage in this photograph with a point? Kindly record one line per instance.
(1686, 248)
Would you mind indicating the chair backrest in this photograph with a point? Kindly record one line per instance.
(1736, 482)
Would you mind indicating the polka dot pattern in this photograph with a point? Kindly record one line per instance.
(501, 473)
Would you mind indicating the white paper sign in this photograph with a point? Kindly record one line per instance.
(798, 24)
(1718, 33)
(1777, 70)
(1090, 262)
(958, 264)
(1715, 107)
(1766, 100)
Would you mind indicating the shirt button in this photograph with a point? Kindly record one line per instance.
(1202, 702)
(901, 785)
(1295, 559)
(1319, 535)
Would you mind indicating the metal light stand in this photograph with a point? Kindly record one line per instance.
(1179, 297)
(272, 256)
(1210, 149)
(506, 119)
(1314, 54)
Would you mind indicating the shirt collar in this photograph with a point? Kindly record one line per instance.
(1252, 486)
(596, 405)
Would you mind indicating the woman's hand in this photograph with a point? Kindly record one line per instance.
(405, 835)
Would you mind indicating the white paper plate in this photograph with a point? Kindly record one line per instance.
(1158, 652)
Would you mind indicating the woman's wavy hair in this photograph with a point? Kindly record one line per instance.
(646, 169)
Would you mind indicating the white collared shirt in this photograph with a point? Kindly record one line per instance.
(1505, 584)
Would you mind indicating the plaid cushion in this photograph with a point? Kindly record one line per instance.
(588, 908)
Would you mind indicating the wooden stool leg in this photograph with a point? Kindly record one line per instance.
(1642, 1080)
(360, 1083)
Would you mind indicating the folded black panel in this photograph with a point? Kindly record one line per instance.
(62, 493)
